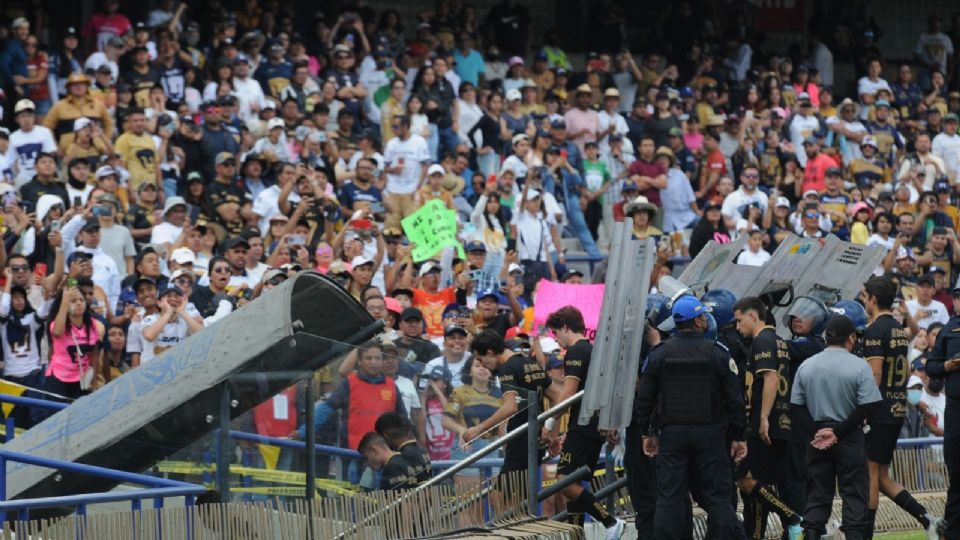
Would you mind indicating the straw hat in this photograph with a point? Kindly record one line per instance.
(640, 204)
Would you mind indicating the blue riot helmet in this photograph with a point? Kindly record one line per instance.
(657, 309)
(722, 302)
(711, 332)
(853, 311)
(808, 309)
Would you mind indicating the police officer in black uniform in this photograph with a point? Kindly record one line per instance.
(944, 363)
(692, 379)
(806, 319)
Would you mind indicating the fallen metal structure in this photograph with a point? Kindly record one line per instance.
(828, 269)
(165, 405)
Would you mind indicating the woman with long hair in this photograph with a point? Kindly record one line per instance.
(486, 136)
(223, 72)
(64, 62)
(22, 328)
(35, 83)
(75, 341)
(710, 227)
(491, 220)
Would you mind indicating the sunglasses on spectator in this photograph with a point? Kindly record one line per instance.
(221, 270)
(184, 281)
(811, 215)
(751, 176)
(19, 268)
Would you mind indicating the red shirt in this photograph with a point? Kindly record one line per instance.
(651, 169)
(715, 163)
(103, 27)
(816, 171)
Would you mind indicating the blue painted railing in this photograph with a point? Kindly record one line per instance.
(157, 488)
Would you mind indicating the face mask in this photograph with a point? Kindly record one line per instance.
(913, 396)
(935, 386)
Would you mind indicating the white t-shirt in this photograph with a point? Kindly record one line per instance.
(735, 202)
(947, 148)
(248, 92)
(935, 312)
(456, 368)
(802, 127)
(172, 334)
(165, 233)
(408, 393)
(534, 241)
(267, 204)
(411, 154)
(749, 258)
(516, 165)
(866, 86)
(936, 405)
(23, 150)
(606, 119)
(256, 273)
(853, 148)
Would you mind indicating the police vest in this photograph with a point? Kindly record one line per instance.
(690, 391)
(367, 402)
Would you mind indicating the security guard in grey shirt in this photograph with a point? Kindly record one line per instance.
(693, 380)
(835, 391)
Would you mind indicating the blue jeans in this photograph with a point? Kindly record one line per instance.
(488, 164)
(433, 141)
(449, 140)
(169, 187)
(578, 225)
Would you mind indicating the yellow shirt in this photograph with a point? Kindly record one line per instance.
(139, 155)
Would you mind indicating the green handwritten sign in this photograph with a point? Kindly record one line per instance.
(432, 228)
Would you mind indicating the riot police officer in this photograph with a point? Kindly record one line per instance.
(944, 362)
(806, 319)
(692, 380)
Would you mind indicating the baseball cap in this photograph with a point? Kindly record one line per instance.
(411, 313)
(950, 117)
(515, 61)
(519, 137)
(107, 170)
(514, 267)
(926, 279)
(223, 157)
(488, 293)
(811, 193)
(513, 95)
(360, 260)
(172, 202)
(630, 185)
(941, 186)
(918, 364)
(914, 380)
(553, 362)
(454, 329)
(904, 253)
(24, 105)
(276, 123)
(675, 132)
(869, 141)
(236, 241)
(81, 123)
(782, 202)
(559, 123)
(272, 273)
(810, 140)
(183, 255)
(937, 270)
(78, 255)
(91, 224)
(436, 168)
(688, 307)
(439, 373)
(428, 267)
(834, 171)
(171, 289)
(241, 59)
(475, 246)
(570, 273)
(180, 272)
(143, 280)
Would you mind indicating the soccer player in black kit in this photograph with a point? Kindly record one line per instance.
(584, 442)
(885, 347)
(768, 429)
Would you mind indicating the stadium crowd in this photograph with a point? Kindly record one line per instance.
(158, 174)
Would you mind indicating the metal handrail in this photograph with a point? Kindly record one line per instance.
(513, 434)
(33, 402)
(159, 488)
